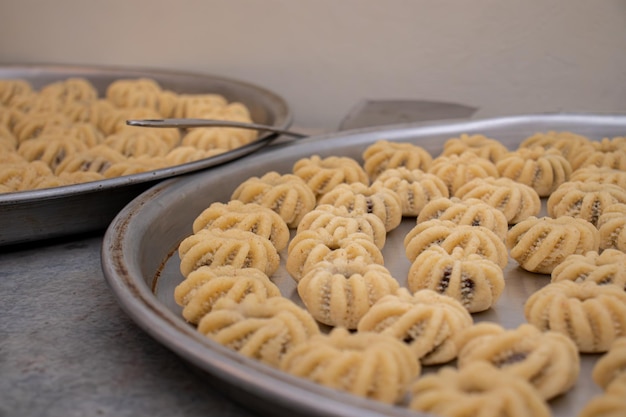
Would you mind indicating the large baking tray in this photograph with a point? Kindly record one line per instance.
(40, 214)
(140, 263)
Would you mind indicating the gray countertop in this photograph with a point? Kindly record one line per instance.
(67, 348)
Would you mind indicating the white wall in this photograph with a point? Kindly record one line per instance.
(323, 56)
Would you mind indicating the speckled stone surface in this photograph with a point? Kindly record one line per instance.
(67, 349)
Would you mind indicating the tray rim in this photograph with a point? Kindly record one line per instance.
(285, 118)
(148, 312)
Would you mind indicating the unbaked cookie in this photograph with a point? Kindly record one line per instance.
(414, 187)
(542, 170)
(611, 403)
(474, 281)
(447, 234)
(51, 149)
(456, 170)
(309, 247)
(612, 226)
(366, 364)
(601, 175)
(384, 154)
(471, 212)
(592, 315)
(265, 330)
(516, 201)
(341, 222)
(478, 389)
(548, 360)
(427, 321)
(540, 244)
(609, 153)
(567, 143)
(479, 145)
(324, 174)
(204, 286)
(607, 267)
(376, 199)
(288, 195)
(612, 365)
(341, 291)
(238, 248)
(14, 87)
(585, 200)
(22, 176)
(252, 217)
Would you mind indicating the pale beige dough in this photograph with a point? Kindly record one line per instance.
(286, 194)
(341, 291)
(592, 315)
(365, 364)
(383, 155)
(540, 244)
(516, 201)
(548, 360)
(265, 330)
(475, 390)
(471, 212)
(324, 174)
(251, 217)
(477, 283)
(414, 187)
(375, 198)
(427, 321)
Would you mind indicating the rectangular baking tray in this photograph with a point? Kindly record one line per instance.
(141, 265)
(62, 211)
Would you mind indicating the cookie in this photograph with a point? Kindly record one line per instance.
(427, 321)
(448, 235)
(341, 291)
(568, 143)
(542, 170)
(375, 198)
(288, 195)
(605, 268)
(478, 145)
(516, 201)
(601, 175)
(477, 283)
(456, 170)
(204, 286)
(540, 244)
(309, 247)
(612, 365)
(251, 217)
(341, 222)
(547, 360)
(265, 330)
(414, 187)
(611, 403)
(365, 364)
(324, 174)
(238, 248)
(383, 155)
(475, 390)
(592, 315)
(585, 200)
(471, 212)
(611, 224)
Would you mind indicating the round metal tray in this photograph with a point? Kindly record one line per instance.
(141, 265)
(39, 214)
